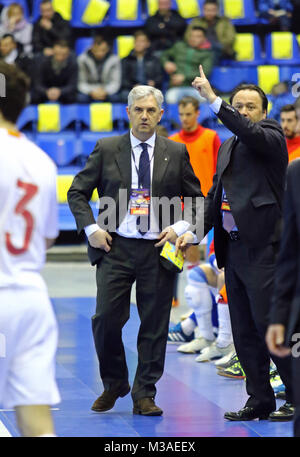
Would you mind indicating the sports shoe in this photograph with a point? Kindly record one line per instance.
(176, 335)
(276, 382)
(195, 346)
(213, 352)
(226, 361)
(235, 371)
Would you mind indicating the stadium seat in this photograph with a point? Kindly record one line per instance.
(126, 13)
(267, 76)
(90, 13)
(54, 117)
(63, 7)
(123, 45)
(225, 79)
(23, 3)
(241, 12)
(188, 9)
(282, 48)
(28, 118)
(248, 50)
(82, 44)
(61, 147)
(103, 117)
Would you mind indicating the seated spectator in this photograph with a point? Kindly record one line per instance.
(56, 78)
(140, 67)
(182, 61)
(10, 53)
(99, 73)
(14, 23)
(219, 30)
(281, 95)
(49, 28)
(277, 12)
(165, 27)
(296, 17)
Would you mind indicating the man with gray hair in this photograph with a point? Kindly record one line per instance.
(131, 172)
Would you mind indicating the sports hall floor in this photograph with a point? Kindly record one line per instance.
(193, 397)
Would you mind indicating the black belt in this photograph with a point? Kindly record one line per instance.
(234, 235)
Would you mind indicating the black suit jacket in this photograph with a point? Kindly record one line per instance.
(109, 169)
(251, 167)
(286, 298)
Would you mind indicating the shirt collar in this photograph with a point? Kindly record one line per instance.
(136, 142)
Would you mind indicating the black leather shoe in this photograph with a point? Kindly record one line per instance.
(146, 407)
(284, 413)
(107, 400)
(246, 414)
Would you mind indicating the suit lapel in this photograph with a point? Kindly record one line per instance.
(226, 154)
(161, 161)
(123, 159)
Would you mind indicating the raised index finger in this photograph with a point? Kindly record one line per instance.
(202, 74)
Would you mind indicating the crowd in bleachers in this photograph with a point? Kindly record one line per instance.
(78, 53)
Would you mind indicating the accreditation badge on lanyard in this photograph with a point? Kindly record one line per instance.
(139, 202)
(225, 206)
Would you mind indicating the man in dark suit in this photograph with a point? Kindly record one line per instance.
(244, 207)
(130, 251)
(284, 328)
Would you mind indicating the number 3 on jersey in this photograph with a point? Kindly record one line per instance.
(30, 191)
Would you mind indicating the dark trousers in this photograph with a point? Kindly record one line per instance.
(296, 393)
(249, 276)
(132, 260)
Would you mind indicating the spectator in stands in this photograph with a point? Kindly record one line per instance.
(289, 121)
(182, 61)
(277, 12)
(165, 27)
(296, 16)
(141, 67)
(99, 73)
(56, 78)
(220, 32)
(202, 143)
(281, 96)
(10, 54)
(14, 23)
(49, 28)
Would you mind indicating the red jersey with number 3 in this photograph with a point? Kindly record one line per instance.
(28, 209)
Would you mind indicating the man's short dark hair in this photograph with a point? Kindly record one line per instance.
(8, 35)
(197, 27)
(188, 99)
(16, 88)
(214, 2)
(99, 39)
(62, 43)
(251, 87)
(288, 108)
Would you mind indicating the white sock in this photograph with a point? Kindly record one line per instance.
(188, 326)
(225, 333)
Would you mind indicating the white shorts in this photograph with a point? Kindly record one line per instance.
(28, 343)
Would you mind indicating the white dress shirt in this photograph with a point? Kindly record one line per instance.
(128, 226)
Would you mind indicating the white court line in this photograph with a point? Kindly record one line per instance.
(4, 433)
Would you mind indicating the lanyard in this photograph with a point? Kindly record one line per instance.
(137, 169)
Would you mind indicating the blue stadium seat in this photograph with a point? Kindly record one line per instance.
(223, 132)
(69, 115)
(225, 79)
(23, 3)
(61, 147)
(241, 12)
(96, 18)
(119, 117)
(88, 140)
(28, 118)
(126, 13)
(248, 51)
(282, 49)
(82, 44)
